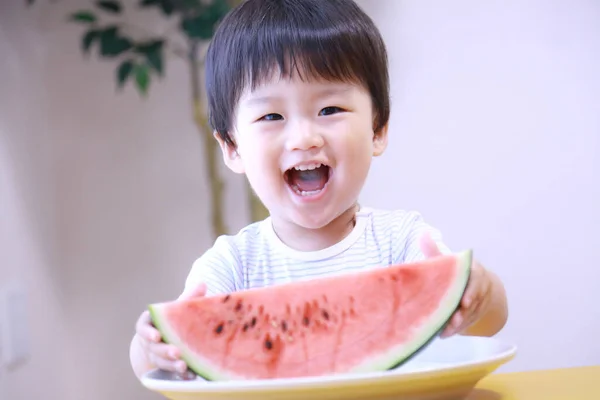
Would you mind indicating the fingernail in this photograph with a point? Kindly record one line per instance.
(173, 354)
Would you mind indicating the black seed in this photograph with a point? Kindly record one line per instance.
(305, 321)
(326, 315)
(245, 328)
(219, 328)
(283, 326)
(253, 322)
(238, 306)
(268, 344)
(226, 298)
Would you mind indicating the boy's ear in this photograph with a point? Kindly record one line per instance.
(380, 141)
(230, 155)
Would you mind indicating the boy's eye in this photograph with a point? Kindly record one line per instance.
(271, 117)
(330, 110)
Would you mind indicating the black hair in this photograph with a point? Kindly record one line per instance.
(329, 39)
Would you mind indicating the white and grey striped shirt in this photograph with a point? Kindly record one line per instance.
(256, 257)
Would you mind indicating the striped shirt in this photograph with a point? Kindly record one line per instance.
(256, 257)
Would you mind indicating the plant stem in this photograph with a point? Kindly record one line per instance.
(210, 145)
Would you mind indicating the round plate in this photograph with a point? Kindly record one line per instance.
(446, 369)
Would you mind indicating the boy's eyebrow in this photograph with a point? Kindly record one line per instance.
(260, 100)
(270, 99)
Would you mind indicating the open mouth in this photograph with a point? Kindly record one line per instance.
(309, 179)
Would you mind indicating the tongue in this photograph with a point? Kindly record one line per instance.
(310, 180)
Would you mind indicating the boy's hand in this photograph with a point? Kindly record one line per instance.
(159, 354)
(476, 299)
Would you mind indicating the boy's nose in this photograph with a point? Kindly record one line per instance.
(304, 136)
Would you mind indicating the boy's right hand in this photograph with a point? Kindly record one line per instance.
(162, 355)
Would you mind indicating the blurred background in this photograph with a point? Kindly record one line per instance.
(105, 197)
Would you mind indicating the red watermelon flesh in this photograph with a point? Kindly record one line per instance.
(353, 322)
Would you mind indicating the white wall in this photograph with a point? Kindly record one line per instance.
(495, 138)
(495, 134)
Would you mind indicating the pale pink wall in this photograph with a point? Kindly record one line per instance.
(102, 204)
(495, 137)
(495, 134)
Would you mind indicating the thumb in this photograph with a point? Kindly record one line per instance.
(428, 246)
(197, 291)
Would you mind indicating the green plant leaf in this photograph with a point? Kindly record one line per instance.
(88, 39)
(198, 27)
(202, 25)
(112, 44)
(142, 78)
(111, 6)
(167, 7)
(83, 16)
(153, 52)
(123, 72)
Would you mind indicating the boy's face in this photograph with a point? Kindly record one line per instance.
(306, 147)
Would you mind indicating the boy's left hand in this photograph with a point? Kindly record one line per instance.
(476, 299)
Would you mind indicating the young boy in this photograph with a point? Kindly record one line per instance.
(298, 98)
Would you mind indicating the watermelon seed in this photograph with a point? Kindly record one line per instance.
(268, 344)
(305, 321)
(226, 298)
(326, 315)
(261, 309)
(283, 326)
(245, 328)
(238, 306)
(253, 322)
(219, 328)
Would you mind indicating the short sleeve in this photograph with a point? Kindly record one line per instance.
(409, 231)
(219, 268)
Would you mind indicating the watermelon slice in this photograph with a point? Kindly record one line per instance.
(372, 320)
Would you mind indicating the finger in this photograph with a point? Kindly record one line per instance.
(474, 289)
(167, 364)
(428, 246)
(165, 351)
(469, 320)
(197, 291)
(145, 329)
(454, 322)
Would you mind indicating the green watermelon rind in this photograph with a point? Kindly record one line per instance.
(395, 357)
(392, 359)
(187, 355)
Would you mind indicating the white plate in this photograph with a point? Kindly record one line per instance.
(447, 369)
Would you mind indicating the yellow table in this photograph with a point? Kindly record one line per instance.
(580, 383)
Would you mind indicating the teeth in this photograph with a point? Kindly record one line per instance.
(306, 193)
(306, 167)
